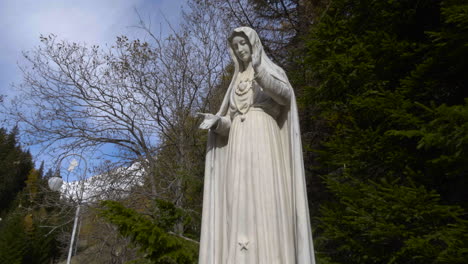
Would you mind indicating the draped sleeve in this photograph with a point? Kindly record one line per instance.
(277, 89)
(224, 124)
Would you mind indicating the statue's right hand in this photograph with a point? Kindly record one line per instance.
(209, 120)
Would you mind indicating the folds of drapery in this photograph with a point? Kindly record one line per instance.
(213, 241)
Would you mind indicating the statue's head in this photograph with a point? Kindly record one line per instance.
(243, 41)
(241, 47)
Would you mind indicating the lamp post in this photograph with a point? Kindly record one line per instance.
(55, 183)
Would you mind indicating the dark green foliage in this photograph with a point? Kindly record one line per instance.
(22, 239)
(27, 237)
(445, 140)
(26, 232)
(387, 222)
(15, 164)
(389, 81)
(13, 240)
(167, 216)
(153, 237)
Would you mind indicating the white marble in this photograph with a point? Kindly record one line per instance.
(255, 203)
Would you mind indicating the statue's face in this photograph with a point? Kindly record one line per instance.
(241, 48)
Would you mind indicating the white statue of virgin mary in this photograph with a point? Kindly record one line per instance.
(255, 203)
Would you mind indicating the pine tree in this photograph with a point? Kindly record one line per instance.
(15, 164)
(153, 236)
(389, 80)
(23, 235)
(13, 242)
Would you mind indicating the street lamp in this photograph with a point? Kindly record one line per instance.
(55, 183)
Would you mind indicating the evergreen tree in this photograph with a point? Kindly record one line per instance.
(153, 236)
(25, 239)
(26, 232)
(389, 80)
(15, 164)
(13, 241)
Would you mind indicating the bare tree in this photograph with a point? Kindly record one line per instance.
(139, 97)
(201, 68)
(79, 98)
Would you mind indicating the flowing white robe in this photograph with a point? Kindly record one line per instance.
(255, 205)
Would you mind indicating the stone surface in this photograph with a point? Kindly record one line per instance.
(255, 204)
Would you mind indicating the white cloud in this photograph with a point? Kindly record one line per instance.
(88, 21)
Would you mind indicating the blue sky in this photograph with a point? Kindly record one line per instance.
(94, 22)
(89, 21)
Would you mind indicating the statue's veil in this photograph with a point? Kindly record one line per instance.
(213, 241)
(256, 44)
